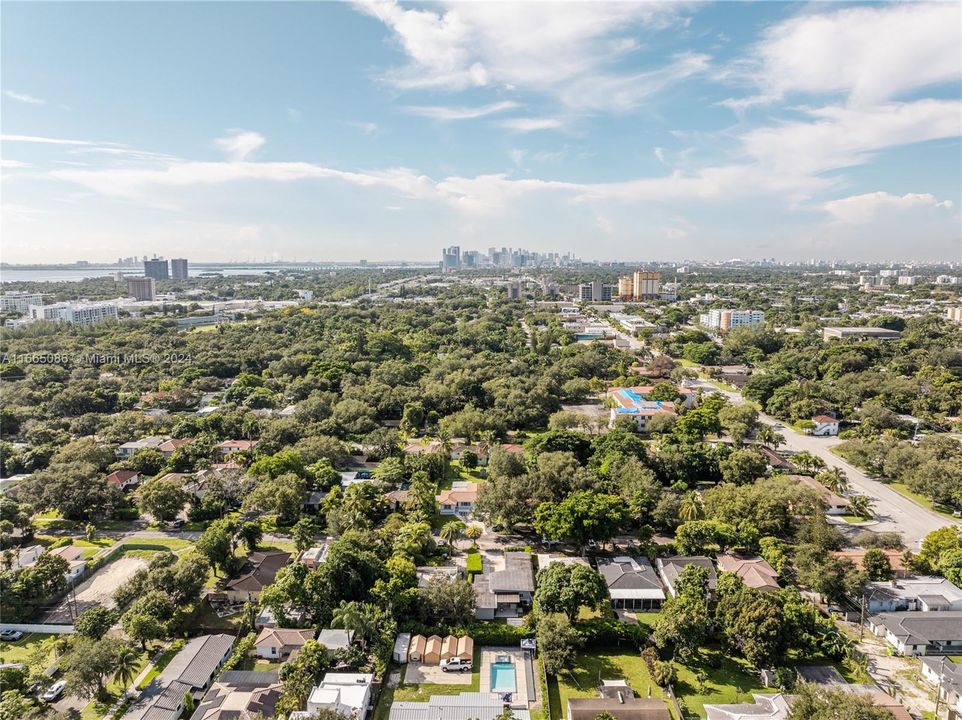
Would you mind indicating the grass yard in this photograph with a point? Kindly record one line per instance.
(732, 682)
(21, 650)
(383, 708)
(903, 489)
(853, 518)
(582, 679)
(165, 657)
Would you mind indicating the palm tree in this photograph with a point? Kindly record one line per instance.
(768, 436)
(473, 532)
(690, 507)
(444, 440)
(861, 505)
(360, 617)
(487, 439)
(127, 666)
(834, 479)
(452, 532)
(806, 462)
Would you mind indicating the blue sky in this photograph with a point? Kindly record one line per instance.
(379, 130)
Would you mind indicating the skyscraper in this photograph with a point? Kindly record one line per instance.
(156, 269)
(141, 288)
(178, 269)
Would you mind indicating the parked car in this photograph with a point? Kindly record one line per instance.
(456, 665)
(10, 635)
(177, 524)
(54, 691)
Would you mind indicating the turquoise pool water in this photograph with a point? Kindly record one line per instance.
(503, 677)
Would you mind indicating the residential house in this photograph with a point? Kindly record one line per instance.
(191, 671)
(355, 477)
(75, 560)
(464, 706)
(834, 504)
(629, 402)
(920, 633)
(240, 694)
(764, 707)
(428, 572)
(126, 480)
(346, 693)
(459, 500)
(227, 447)
(824, 426)
(754, 571)
(616, 698)
(945, 674)
(125, 451)
(670, 568)
(632, 583)
(507, 592)
(420, 448)
(314, 556)
(857, 558)
(26, 556)
(924, 594)
(258, 572)
(396, 499)
(280, 643)
(335, 639)
(168, 446)
(774, 460)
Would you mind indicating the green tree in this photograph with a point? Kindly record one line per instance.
(217, 544)
(94, 622)
(743, 467)
(876, 565)
(581, 517)
(452, 531)
(304, 533)
(815, 702)
(566, 588)
(149, 618)
(739, 421)
(558, 643)
(127, 666)
(162, 498)
(250, 534)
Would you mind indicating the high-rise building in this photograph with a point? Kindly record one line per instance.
(626, 287)
(724, 320)
(157, 269)
(178, 269)
(514, 290)
(451, 258)
(596, 291)
(141, 288)
(76, 313)
(19, 301)
(646, 285)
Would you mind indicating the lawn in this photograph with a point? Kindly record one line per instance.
(165, 657)
(903, 489)
(582, 680)
(732, 682)
(383, 708)
(423, 692)
(21, 650)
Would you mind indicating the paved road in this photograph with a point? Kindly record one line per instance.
(894, 512)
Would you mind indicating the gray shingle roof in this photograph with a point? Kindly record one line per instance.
(517, 576)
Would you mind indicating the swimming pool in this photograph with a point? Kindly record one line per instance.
(503, 677)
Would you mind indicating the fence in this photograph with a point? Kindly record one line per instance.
(38, 628)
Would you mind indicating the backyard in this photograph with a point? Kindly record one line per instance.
(423, 691)
(589, 669)
(714, 678)
(21, 650)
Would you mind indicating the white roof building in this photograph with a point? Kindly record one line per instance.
(346, 693)
(465, 706)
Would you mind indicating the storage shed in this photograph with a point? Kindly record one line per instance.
(416, 652)
(465, 648)
(432, 650)
(402, 646)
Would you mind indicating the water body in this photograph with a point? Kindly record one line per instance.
(99, 271)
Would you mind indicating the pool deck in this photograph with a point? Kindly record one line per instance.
(490, 655)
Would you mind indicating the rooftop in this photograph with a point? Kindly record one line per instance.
(631, 578)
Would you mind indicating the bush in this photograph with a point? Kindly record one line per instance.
(601, 633)
(474, 563)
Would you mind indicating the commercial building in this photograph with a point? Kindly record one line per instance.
(724, 320)
(178, 269)
(141, 288)
(451, 258)
(19, 301)
(859, 333)
(75, 313)
(626, 287)
(157, 269)
(596, 291)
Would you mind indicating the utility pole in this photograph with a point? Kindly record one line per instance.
(938, 690)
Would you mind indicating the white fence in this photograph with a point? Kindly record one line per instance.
(38, 628)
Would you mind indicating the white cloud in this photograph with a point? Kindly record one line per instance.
(13, 164)
(517, 156)
(368, 128)
(460, 113)
(239, 144)
(543, 47)
(531, 124)
(43, 140)
(860, 209)
(23, 97)
(872, 53)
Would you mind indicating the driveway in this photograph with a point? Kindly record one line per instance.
(894, 512)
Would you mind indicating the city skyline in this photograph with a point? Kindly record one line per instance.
(382, 131)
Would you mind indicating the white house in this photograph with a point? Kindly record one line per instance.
(923, 594)
(920, 633)
(459, 500)
(947, 675)
(346, 693)
(824, 426)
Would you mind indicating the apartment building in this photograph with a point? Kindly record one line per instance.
(724, 320)
(596, 291)
(75, 313)
(141, 288)
(19, 301)
(178, 269)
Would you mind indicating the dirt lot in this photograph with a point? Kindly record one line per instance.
(98, 589)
